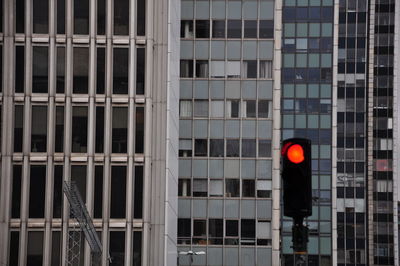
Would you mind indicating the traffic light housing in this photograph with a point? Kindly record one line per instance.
(296, 177)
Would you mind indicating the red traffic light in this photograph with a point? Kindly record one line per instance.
(295, 153)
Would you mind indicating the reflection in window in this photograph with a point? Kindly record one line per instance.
(20, 16)
(139, 130)
(16, 192)
(81, 16)
(57, 191)
(121, 17)
(117, 248)
(101, 17)
(81, 69)
(184, 188)
(98, 192)
(35, 248)
(79, 128)
(100, 70)
(234, 29)
(60, 16)
(18, 127)
(138, 193)
(187, 29)
(40, 69)
(120, 71)
(59, 136)
(218, 30)
(201, 69)
(19, 68)
(120, 130)
(140, 70)
(232, 187)
(202, 28)
(60, 82)
(137, 248)
(118, 192)
(39, 129)
(99, 139)
(186, 69)
(37, 186)
(141, 17)
(40, 16)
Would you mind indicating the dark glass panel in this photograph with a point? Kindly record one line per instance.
(139, 130)
(58, 191)
(78, 176)
(98, 192)
(60, 82)
(59, 137)
(101, 70)
(120, 130)
(39, 129)
(20, 16)
(118, 192)
(14, 248)
(60, 16)
(81, 16)
(37, 186)
(101, 17)
(40, 69)
(79, 128)
(81, 70)
(140, 70)
(99, 129)
(141, 17)
(18, 127)
(56, 248)
(35, 249)
(121, 17)
(117, 248)
(40, 16)
(138, 193)
(120, 70)
(137, 248)
(16, 192)
(19, 68)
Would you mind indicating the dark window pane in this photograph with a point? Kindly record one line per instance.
(40, 69)
(58, 191)
(16, 192)
(35, 249)
(140, 70)
(137, 248)
(184, 229)
(250, 29)
(101, 70)
(1, 68)
(250, 69)
(37, 191)
(264, 148)
(120, 130)
(200, 147)
(248, 148)
(248, 188)
(117, 248)
(81, 69)
(14, 248)
(81, 16)
(39, 129)
(232, 187)
(40, 16)
(141, 17)
(234, 29)
(61, 16)
(98, 192)
(101, 17)
(218, 29)
(216, 148)
(186, 28)
(248, 228)
(138, 193)
(121, 17)
(266, 29)
(232, 228)
(60, 82)
(202, 29)
(200, 228)
(79, 128)
(186, 69)
(99, 129)
(232, 148)
(56, 248)
(59, 137)
(120, 70)
(18, 127)
(19, 68)
(20, 16)
(118, 191)
(78, 176)
(215, 228)
(139, 130)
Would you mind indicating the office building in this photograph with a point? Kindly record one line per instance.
(89, 94)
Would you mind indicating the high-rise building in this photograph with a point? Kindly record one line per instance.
(169, 116)
(89, 93)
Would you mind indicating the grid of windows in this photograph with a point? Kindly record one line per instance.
(307, 45)
(75, 94)
(225, 131)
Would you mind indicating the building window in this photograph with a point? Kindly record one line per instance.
(199, 231)
(138, 193)
(140, 70)
(186, 69)
(60, 79)
(200, 147)
(100, 70)
(117, 247)
(250, 29)
(141, 17)
(19, 69)
(39, 129)
(184, 231)
(78, 176)
(79, 128)
(99, 138)
(232, 188)
(200, 188)
(187, 29)
(264, 148)
(120, 130)
(249, 109)
(34, 251)
(184, 188)
(249, 69)
(137, 248)
(264, 109)
(81, 16)
(120, 70)
(248, 188)
(121, 17)
(266, 29)
(216, 148)
(248, 148)
(218, 29)
(233, 69)
(234, 29)
(232, 108)
(247, 231)
(215, 231)
(37, 188)
(232, 148)
(57, 191)
(81, 68)
(264, 188)
(231, 232)
(40, 16)
(266, 69)
(16, 191)
(139, 130)
(98, 192)
(101, 17)
(216, 188)
(185, 109)
(202, 28)
(40, 69)
(18, 127)
(118, 192)
(201, 108)
(185, 148)
(20, 16)
(14, 248)
(201, 69)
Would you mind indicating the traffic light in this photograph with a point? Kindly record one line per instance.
(296, 176)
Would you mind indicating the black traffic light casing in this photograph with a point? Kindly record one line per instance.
(296, 177)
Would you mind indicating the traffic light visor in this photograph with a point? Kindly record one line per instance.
(295, 153)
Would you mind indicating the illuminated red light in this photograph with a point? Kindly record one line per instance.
(295, 153)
